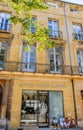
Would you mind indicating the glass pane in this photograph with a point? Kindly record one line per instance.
(58, 56)
(52, 66)
(29, 59)
(3, 45)
(81, 52)
(51, 56)
(56, 105)
(51, 50)
(77, 28)
(1, 58)
(43, 108)
(49, 21)
(31, 67)
(33, 25)
(31, 64)
(56, 34)
(57, 50)
(32, 60)
(33, 29)
(32, 54)
(1, 64)
(51, 30)
(25, 56)
(32, 48)
(51, 62)
(29, 108)
(5, 15)
(2, 51)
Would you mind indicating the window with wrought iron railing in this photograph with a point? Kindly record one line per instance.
(77, 32)
(5, 22)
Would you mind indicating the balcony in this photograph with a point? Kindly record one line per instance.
(40, 68)
(5, 30)
(78, 36)
(55, 34)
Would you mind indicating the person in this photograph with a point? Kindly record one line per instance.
(67, 123)
(55, 122)
(62, 123)
(73, 123)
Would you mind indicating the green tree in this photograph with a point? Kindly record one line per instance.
(22, 14)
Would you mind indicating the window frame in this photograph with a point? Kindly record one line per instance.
(56, 60)
(27, 58)
(4, 21)
(55, 33)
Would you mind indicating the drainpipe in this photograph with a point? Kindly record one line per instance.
(74, 101)
(67, 30)
(70, 56)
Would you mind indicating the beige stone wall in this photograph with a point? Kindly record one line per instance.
(78, 84)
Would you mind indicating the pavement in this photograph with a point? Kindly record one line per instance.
(60, 129)
(49, 129)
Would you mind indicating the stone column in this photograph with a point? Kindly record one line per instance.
(5, 99)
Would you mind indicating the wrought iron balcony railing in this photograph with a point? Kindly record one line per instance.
(78, 36)
(5, 27)
(32, 30)
(55, 34)
(40, 68)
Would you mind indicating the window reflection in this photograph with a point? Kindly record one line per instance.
(29, 108)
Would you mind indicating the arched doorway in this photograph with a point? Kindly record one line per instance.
(0, 98)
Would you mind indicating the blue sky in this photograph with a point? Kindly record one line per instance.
(75, 1)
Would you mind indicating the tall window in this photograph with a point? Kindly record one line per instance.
(33, 25)
(55, 60)
(3, 47)
(54, 28)
(77, 31)
(80, 60)
(4, 21)
(28, 59)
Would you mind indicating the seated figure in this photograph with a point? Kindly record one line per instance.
(73, 123)
(62, 123)
(67, 123)
(55, 122)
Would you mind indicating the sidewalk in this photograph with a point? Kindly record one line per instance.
(29, 128)
(60, 129)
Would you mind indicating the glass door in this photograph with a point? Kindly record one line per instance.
(43, 109)
(29, 108)
(55, 105)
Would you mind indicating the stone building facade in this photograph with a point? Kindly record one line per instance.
(35, 86)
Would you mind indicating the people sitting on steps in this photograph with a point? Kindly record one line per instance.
(64, 123)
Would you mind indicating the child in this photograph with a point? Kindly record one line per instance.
(73, 123)
(62, 123)
(55, 122)
(67, 123)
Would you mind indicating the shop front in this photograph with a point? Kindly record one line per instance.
(39, 107)
(36, 101)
